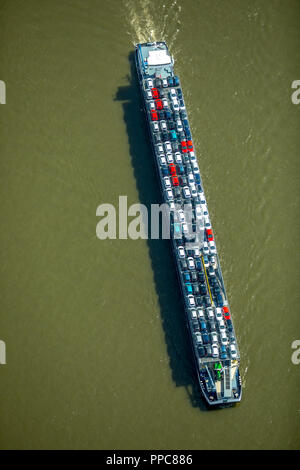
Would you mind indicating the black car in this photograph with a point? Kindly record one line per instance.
(183, 115)
(194, 276)
(196, 327)
(176, 115)
(207, 300)
(201, 351)
(157, 137)
(175, 146)
(179, 93)
(165, 136)
(196, 289)
(203, 289)
(188, 168)
(181, 136)
(168, 114)
(177, 192)
(205, 338)
(208, 350)
(212, 326)
(219, 300)
(171, 125)
(201, 276)
(199, 301)
(183, 180)
(161, 115)
(158, 82)
(183, 264)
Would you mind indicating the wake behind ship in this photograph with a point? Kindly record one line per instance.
(205, 301)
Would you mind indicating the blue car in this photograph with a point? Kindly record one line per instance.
(223, 352)
(186, 276)
(173, 135)
(189, 288)
(175, 81)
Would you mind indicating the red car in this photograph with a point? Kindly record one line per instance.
(158, 104)
(155, 93)
(209, 235)
(226, 313)
(154, 115)
(190, 145)
(172, 169)
(183, 146)
(175, 181)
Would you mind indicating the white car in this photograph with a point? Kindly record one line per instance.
(215, 350)
(149, 83)
(186, 192)
(224, 339)
(169, 158)
(193, 190)
(207, 223)
(179, 126)
(151, 105)
(196, 252)
(165, 103)
(173, 93)
(194, 314)
(168, 146)
(205, 248)
(219, 315)
(212, 247)
(221, 325)
(165, 83)
(198, 338)
(167, 182)
(202, 198)
(163, 125)
(175, 105)
(148, 95)
(192, 156)
(169, 194)
(200, 313)
(181, 215)
(178, 158)
(185, 228)
(233, 351)
(172, 206)
(195, 166)
(160, 148)
(191, 263)
(212, 261)
(155, 126)
(162, 160)
(191, 178)
(214, 338)
(181, 252)
(198, 212)
(204, 209)
(210, 313)
(191, 300)
(211, 271)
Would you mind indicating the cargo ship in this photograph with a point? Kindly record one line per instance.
(205, 304)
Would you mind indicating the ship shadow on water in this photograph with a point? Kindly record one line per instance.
(164, 270)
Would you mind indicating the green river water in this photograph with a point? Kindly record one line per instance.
(96, 348)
